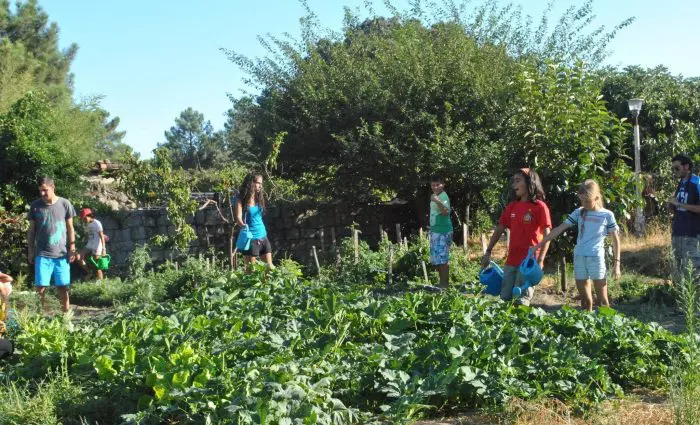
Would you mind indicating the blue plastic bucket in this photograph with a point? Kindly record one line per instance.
(492, 277)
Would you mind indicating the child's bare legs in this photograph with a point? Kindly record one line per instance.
(98, 272)
(444, 272)
(601, 291)
(248, 261)
(268, 259)
(584, 290)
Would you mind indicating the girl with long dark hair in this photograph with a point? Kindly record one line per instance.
(250, 208)
(527, 217)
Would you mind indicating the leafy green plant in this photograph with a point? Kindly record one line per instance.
(13, 249)
(684, 378)
(273, 346)
(138, 261)
(156, 183)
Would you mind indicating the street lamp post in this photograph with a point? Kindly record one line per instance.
(635, 106)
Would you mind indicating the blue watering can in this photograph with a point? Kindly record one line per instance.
(492, 277)
(531, 272)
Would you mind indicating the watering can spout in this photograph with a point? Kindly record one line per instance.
(531, 272)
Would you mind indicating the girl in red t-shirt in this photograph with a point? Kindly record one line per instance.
(527, 217)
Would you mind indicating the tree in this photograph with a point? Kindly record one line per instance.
(564, 131)
(237, 132)
(669, 121)
(36, 140)
(16, 76)
(111, 145)
(372, 111)
(156, 183)
(29, 28)
(42, 130)
(192, 143)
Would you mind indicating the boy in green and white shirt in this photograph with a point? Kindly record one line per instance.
(440, 229)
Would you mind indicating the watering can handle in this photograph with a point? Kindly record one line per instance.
(492, 264)
(531, 254)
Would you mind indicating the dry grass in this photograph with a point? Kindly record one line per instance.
(649, 255)
(646, 411)
(617, 412)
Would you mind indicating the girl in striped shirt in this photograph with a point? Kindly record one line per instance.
(594, 223)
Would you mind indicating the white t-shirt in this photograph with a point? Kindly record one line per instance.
(94, 243)
(593, 227)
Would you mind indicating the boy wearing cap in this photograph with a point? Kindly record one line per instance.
(95, 241)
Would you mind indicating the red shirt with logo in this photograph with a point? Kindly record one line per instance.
(527, 222)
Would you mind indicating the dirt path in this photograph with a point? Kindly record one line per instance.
(86, 313)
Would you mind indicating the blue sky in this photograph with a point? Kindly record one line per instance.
(151, 59)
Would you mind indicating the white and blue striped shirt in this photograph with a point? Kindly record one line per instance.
(593, 227)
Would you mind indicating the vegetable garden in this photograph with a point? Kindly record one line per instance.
(206, 345)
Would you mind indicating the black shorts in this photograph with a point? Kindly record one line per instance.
(258, 247)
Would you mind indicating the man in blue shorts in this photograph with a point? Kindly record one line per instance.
(50, 230)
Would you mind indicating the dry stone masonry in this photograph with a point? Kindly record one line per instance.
(292, 229)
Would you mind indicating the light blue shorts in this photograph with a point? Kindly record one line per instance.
(586, 267)
(46, 268)
(440, 248)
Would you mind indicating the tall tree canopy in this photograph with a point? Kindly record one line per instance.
(670, 117)
(42, 129)
(192, 142)
(372, 111)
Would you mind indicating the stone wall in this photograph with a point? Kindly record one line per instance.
(292, 228)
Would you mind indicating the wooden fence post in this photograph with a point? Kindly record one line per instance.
(398, 234)
(484, 244)
(391, 264)
(356, 242)
(425, 273)
(464, 239)
(318, 266)
(323, 243)
(562, 273)
(466, 220)
(420, 233)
